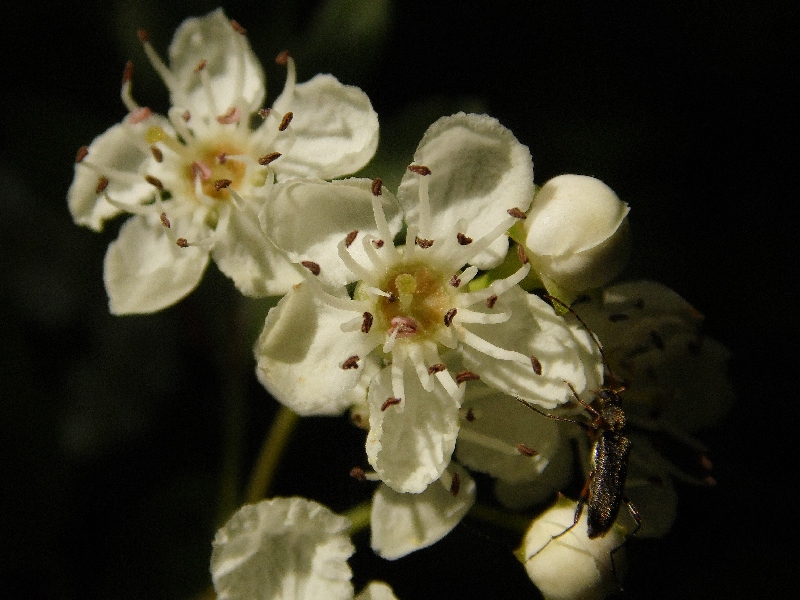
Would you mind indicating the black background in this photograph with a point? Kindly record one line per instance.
(112, 429)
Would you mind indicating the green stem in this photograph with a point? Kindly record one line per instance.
(283, 425)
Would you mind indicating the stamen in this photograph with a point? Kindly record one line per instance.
(268, 158)
(466, 376)
(350, 238)
(390, 402)
(351, 363)
(287, 118)
(311, 266)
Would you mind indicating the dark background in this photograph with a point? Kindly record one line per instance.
(113, 430)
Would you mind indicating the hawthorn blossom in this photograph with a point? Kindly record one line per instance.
(195, 179)
(576, 234)
(286, 549)
(414, 325)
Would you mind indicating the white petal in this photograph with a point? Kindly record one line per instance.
(376, 590)
(308, 219)
(403, 523)
(335, 126)
(235, 72)
(301, 351)
(410, 444)
(478, 171)
(113, 152)
(572, 213)
(289, 548)
(245, 255)
(571, 567)
(565, 354)
(145, 271)
(488, 441)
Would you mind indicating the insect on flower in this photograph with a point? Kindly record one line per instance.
(604, 491)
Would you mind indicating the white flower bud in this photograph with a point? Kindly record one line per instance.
(576, 233)
(571, 566)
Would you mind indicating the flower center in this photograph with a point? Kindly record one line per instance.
(420, 299)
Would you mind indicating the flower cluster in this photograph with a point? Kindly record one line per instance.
(442, 315)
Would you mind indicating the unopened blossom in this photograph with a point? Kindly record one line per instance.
(195, 179)
(566, 564)
(286, 549)
(413, 316)
(576, 234)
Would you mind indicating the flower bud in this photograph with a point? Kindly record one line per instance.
(571, 566)
(576, 233)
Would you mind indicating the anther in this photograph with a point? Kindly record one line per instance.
(350, 363)
(521, 255)
(617, 317)
(455, 484)
(466, 376)
(154, 181)
(287, 118)
(419, 169)
(157, 154)
(448, 316)
(144, 37)
(422, 243)
(201, 65)
(526, 450)
(238, 28)
(491, 300)
(358, 473)
(390, 402)
(366, 324)
(437, 368)
(164, 220)
(182, 242)
(232, 115)
(102, 184)
(268, 158)
(282, 58)
(463, 239)
(455, 281)
(376, 186)
(517, 213)
(537, 366)
(351, 237)
(311, 266)
(377, 243)
(83, 151)
(263, 112)
(222, 183)
(127, 72)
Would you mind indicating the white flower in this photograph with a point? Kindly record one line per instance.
(413, 317)
(404, 523)
(572, 566)
(196, 179)
(286, 549)
(576, 234)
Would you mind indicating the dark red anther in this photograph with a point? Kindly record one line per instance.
(467, 376)
(419, 169)
(390, 402)
(537, 366)
(448, 316)
(351, 363)
(517, 213)
(311, 266)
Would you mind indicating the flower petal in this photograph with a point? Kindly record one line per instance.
(410, 444)
(302, 349)
(335, 126)
(403, 523)
(237, 78)
(254, 264)
(145, 271)
(565, 354)
(282, 544)
(478, 171)
(309, 218)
